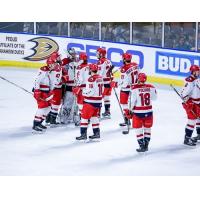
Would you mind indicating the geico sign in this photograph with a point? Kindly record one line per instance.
(175, 64)
(113, 53)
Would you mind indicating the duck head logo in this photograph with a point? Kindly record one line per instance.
(43, 48)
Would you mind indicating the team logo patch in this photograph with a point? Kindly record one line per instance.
(43, 48)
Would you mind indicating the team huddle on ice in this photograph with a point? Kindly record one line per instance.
(71, 90)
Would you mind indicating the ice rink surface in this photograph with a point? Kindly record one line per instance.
(57, 153)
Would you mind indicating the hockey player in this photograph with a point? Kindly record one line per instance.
(142, 95)
(81, 77)
(92, 102)
(105, 70)
(129, 76)
(69, 106)
(191, 95)
(43, 95)
(58, 77)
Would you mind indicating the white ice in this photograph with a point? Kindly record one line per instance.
(57, 153)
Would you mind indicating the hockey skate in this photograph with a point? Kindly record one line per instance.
(196, 138)
(142, 148)
(37, 130)
(189, 142)
(95, 136)
(82, 137)
(53, 122)
(42, 126)
(106, 115)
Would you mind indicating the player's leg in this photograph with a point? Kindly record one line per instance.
(107, 94)
(147, 123)
(189, 128)
(124, 103)
(85, 116)
(55, 105)
(66, 110)
(137, 125)
(95, 125)
(43, 109)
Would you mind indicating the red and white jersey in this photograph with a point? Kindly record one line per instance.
(43, 80)
(141, 98)
(191, 89)
(56, 77)
(70, 67)
(129, 76)
(94, 88)
(104, 66)
(82, 75)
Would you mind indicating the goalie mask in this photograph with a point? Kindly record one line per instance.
(71, 53)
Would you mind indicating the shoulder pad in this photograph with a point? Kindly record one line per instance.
(65, 61)
(190, 79)
(44, 68)
(135, 86)
(135, 65)
(101, 61)
(149, 85)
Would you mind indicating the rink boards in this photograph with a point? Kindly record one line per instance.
(165, 66)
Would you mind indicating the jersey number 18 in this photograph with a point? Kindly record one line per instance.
(145, 99)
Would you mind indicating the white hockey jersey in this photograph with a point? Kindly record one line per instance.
(94, 89)
(191, 89)
(141, 98)
(82, 75)
(104, 66)
(56, 77)
(43, 80)
(71, 68)
(129, 76)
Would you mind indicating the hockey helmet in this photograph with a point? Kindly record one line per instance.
(194, 68)
(93, 67)
(101, 52)
(71, 53)
(142, 77)
(50, 61)
(127, 57)
(55, 55)
(83, 56)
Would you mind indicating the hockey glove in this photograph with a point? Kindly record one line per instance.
(188, 105)
(37, 94)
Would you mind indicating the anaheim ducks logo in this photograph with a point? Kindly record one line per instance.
(43, 49)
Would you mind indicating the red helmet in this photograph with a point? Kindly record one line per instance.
(83, 56)
(142, 77)
(127, 56)
(50, 61)
(101, 52)
(55, 55)
(93, 67)
(194, 68)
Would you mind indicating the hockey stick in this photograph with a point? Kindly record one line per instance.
(18, 86)
(128, 125)
(123, 132)
(182, 99)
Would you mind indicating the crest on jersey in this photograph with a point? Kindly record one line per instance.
(43, 48)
